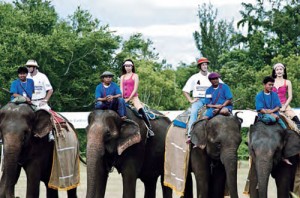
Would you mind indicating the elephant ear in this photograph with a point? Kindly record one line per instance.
(199, 133)
(129, 135)
(291, 144)
(42, 123)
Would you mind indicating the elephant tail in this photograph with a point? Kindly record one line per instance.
(237, 117)
(82, 159)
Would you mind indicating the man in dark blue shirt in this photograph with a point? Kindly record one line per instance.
(267, 103)
(217, 98)
(108, 95)
(22, 87)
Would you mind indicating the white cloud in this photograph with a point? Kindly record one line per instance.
(168, 23)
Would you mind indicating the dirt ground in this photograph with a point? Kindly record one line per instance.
(114, 185)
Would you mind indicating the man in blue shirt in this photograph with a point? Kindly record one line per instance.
(108, 95)
(22, 87)
(267, 103)
(217, 98)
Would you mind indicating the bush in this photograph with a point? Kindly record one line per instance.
(243, 153)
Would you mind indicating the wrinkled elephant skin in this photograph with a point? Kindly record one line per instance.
(216, 164)
(268, 145)
(19, 125)
(112, 142)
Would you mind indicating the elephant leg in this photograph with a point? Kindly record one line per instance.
(217, 182)
(284, 175)
(51, 193)
(167, 192)
(33, 181)
(150, 187)
(200, 167)
(72, 193)
(252, 177)
(129, 183)
(188, 192)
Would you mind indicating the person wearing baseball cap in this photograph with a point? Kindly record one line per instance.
(108, 95)
(218, 98)
(197, 84)
(42, 86)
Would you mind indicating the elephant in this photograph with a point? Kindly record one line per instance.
(213, 157)
(19, 128)
(123, 144)
(268, 145)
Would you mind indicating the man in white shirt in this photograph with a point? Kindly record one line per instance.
(197, 84)
(42, 87)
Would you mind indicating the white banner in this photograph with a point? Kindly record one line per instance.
(79, 119)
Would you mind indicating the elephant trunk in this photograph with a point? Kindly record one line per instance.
(263, 170)
(12, 150)
(96, 169)
(229, 159)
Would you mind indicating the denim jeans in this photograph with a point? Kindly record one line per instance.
(267, 118)
(117, 104)
(194, 113)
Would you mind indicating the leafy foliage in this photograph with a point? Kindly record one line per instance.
(73, 52)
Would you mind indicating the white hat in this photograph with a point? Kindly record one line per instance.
(32, 63)
(278, 65)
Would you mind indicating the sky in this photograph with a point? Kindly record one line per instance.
(168, 23)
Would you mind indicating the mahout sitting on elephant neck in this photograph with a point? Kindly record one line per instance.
(19, 124)
(107, 134)
(268, 145)
(216, 163)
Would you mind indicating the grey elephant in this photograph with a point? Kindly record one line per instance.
(112, 142)
(216, 164)
(268, 146)
(19, 125)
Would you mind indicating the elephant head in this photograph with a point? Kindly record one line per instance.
(268, 145)
(18, 123)
(107, 137)
(221, 137)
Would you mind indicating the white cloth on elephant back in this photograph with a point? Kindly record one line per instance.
(177, 154)
(65, 167)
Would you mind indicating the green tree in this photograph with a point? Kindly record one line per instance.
(214, 37)
(272, 29)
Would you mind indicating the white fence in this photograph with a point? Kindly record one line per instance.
(79, 119)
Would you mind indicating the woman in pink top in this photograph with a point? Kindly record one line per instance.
(283, 88)
(129, 86)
